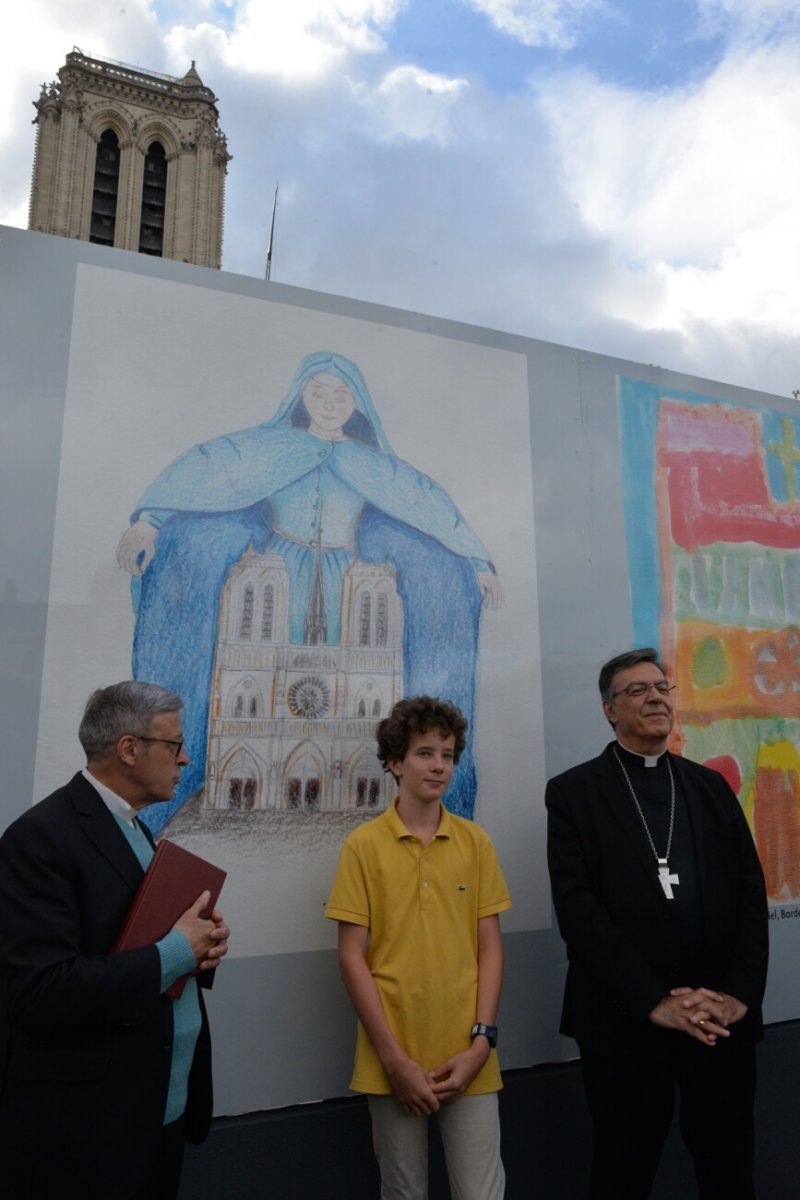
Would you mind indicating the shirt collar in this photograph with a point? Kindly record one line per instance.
(647, 760)
(114, 803)
(399, 830)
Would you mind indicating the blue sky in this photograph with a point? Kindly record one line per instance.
(618, 175)
(635, 43)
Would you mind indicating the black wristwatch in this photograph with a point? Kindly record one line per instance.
(487, 1031)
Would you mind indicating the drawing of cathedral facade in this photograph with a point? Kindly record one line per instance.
(292, 727)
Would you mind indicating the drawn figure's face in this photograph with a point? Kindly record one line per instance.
(330, 405)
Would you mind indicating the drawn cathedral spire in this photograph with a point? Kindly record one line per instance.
(315, 628)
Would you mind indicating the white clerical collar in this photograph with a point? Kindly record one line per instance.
(649, 760)
(114, 803)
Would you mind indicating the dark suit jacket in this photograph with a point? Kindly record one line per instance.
(622, 943)
(85, 1038)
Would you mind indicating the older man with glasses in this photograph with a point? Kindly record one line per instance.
(103, 1075)
(660, 899)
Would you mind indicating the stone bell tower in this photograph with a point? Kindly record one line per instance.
(131, 159)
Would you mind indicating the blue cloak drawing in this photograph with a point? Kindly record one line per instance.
(315, 499)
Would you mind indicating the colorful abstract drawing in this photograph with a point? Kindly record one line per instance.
(712, 509)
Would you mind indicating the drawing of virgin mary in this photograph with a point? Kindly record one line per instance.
(320, 485)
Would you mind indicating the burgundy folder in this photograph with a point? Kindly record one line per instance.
(172, 883)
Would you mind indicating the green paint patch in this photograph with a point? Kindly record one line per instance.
(709, 664)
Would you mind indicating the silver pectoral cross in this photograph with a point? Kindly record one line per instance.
(665, 879)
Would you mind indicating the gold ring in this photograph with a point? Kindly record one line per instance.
(701, 1022)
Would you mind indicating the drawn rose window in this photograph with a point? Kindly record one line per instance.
(309, 697)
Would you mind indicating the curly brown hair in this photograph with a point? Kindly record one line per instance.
(419, 714)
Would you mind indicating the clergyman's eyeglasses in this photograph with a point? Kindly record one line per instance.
(639, 688)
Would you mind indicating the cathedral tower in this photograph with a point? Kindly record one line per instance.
(131, 159)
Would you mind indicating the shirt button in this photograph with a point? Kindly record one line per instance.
(322, 453)
(424, 883)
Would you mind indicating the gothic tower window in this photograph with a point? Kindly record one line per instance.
(246, 623)
(268, 613)
(365, 619)
(382, 620)
(106, 187)
(154, 195)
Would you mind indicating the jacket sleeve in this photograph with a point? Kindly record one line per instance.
(54, 931)
(597, 946)
(745, 976)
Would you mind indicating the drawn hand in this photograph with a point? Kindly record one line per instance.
(136, 547)
(491, 589)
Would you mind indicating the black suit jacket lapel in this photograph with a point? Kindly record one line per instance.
(614, 791)
(101, 829)
(693, 786)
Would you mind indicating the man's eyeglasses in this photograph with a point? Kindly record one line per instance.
(640, 688)
(167, 742)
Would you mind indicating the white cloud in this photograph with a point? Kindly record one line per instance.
(660, 227)
(44, 31)
(694, 192)
(539, 22)
(296, 42)
(412, 104)
(748, 18)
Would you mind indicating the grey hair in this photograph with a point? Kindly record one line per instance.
(621, 663)
(122, 708)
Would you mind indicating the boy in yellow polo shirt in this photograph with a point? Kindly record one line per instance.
(417, 896)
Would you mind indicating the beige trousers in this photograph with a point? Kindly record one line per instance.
(470, 1130)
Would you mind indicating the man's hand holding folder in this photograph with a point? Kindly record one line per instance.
(208, 936)
(177, 878)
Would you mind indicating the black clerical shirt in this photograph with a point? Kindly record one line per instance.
(653, 791)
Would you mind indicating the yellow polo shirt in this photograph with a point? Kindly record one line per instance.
(421, 905)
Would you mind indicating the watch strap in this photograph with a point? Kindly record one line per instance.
(487, 1031)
